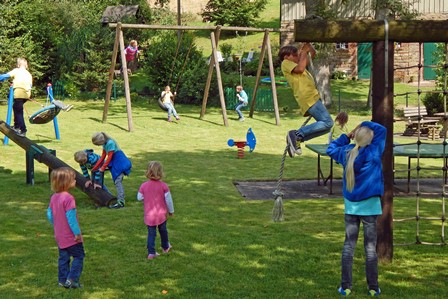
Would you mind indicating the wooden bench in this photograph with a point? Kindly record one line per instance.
(415, 116)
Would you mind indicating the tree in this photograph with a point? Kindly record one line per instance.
(233, 12)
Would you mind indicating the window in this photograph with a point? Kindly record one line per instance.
(341, 46)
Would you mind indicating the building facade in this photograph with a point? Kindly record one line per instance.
(355, 59)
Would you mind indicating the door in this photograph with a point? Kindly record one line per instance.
(428, 59)
(364, 60)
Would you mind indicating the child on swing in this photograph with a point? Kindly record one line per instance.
(242, 101)
(168, 101)
(293, 65)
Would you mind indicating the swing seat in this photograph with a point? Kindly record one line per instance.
(159, 101)
(45, 114)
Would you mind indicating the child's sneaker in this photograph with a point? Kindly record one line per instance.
(152, 256)
(343, 292)
(117, 205)
(169, 119)
(291, 141)
(298, 148)
(71, 284)
(373, 293)
(177, 118)
(168, 249)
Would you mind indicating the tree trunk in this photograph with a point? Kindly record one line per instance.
(322, 66)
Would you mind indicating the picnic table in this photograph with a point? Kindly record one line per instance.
(411, 151)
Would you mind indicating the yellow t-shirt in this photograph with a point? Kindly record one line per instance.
(22, 82)
(337, 131)
(303, 87)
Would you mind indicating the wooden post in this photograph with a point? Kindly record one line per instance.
(273, 87)
(210, 75)
(383, 113)
(218, 77)
(260, 67)
(126, 82)
(111, 73)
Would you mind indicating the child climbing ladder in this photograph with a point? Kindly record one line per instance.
(294, 63)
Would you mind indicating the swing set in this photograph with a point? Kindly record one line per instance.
(160, 99)
(215, 32)
(47, 113)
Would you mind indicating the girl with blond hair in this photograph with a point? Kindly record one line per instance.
(157, 203)
(363, 186)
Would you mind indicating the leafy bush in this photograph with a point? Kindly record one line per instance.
(180, 66)
(433, 103)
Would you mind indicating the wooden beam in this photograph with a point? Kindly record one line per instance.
(319, 30)
(111, 74)
(99, 196)
(211, 28)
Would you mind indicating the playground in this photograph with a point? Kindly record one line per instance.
(224, 246)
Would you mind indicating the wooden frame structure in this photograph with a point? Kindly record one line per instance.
(383, 34)
(214, 37)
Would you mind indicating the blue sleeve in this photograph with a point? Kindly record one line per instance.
(4, 77)
(73, 222)
(169, 202)
(336, 149)
(50, 215)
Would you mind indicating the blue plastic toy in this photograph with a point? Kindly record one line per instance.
(251, 142)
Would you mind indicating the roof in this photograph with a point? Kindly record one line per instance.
(114, 14)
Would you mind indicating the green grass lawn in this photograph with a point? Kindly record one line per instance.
(224, 246)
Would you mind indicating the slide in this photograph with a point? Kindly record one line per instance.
(43, 155)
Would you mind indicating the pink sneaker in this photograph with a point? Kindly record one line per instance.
(169, 119)
(178, 118)
(168, 249)
(152, 256)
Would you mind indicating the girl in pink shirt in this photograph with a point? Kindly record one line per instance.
(62, 215)
(157, 202)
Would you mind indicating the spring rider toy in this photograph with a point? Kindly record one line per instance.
(251, 141)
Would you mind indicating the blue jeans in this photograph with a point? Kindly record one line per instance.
(151, 243)
(238, 109)
(322, 126)
(119, 186)
(64, 270)
(352, 223)
(171, 109)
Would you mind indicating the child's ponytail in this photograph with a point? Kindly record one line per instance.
(363, 137)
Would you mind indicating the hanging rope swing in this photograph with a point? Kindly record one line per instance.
(160, 100)
(49, 111)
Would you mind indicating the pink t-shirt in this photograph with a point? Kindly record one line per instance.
(154, 201)
(60, 203)
(130, 53)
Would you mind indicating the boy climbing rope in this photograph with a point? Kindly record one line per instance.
(294, 63)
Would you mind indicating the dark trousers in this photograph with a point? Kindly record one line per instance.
(64, 270)
(152, 231)
(17, 107)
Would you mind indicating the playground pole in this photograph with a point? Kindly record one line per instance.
(9, 113)
(55, 120)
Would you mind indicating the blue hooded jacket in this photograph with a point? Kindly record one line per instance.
(369, 180)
